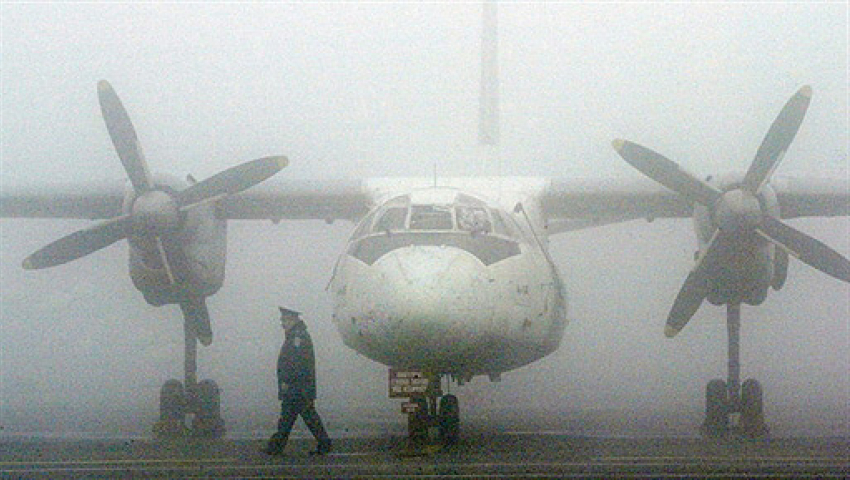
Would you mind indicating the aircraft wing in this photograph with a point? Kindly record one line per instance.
(290, 199)
(812, 197)
(273, 200)
(620, 199)
(88, 200)
(610, 199)
(589, 201)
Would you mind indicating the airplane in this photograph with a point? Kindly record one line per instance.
(442, 280)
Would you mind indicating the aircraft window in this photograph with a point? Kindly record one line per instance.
(500, 226)
(430, 217)
(364, 225)
(473, 219)
(392, 219)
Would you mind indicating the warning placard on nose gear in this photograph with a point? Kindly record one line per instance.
(404, 383)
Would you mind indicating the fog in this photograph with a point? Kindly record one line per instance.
(380, 89)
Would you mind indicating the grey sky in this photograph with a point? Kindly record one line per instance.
(373, 89)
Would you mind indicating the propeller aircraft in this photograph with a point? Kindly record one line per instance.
(443, 279)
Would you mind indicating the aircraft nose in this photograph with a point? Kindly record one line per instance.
(432, 291)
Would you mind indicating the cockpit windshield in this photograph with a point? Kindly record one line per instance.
(473, 219)
(463, 221)
(393, 218)
(431, 217)
(467, 214)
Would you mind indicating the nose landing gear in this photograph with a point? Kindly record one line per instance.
(430, 414)
(426, 421)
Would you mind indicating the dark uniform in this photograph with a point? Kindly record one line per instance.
(296, 379)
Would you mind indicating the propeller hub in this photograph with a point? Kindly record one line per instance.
(737, 210)
(155, 212)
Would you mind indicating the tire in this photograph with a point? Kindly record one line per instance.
(449, 417)
(752, 410)
(172, 410)
(716, 410)
(208, 422)
(418, 421)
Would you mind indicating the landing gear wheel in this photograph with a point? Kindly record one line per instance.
(449, 418)
(752, 410)
(418, 421)
(716, 410)
(208, 422)
(172, 410)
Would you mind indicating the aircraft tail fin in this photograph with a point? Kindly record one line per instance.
(488, 113)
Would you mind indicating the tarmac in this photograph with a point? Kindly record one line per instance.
(476, 455)
(499, 443)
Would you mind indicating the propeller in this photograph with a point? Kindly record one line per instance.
(778, 139)
(154, 212)
(80, 243)
(696, 286)
(737, 212)
(124, 137)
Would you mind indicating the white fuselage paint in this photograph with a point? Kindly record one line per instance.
(448, 299)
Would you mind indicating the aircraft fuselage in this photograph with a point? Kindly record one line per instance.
(443, 281)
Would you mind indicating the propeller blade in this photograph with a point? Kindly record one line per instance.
(778, 139)
(232, 180)
(808, 249)
(124, 137)
(80, 243)
(163, 257)
(197, 318)
(695, 288)
(666, 172)
(780, 269)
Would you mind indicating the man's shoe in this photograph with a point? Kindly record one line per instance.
(275, 445)
(322, 449)
(269, 450)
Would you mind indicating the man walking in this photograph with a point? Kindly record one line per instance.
(296, 379)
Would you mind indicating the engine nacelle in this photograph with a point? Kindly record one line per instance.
(746, 268)
(194, 248)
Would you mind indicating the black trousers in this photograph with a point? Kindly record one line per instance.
(290, 408)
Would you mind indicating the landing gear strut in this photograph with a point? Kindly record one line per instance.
(726, 402)
(433, 414)
(201, 400)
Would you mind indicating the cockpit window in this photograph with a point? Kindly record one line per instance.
(473, 219)
(466, 215)
(363, 228)
(392, 219)
(430, 217)
(500, 226)
(466, 223)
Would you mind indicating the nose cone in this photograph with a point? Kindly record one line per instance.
(421, 304)
(433, 290)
